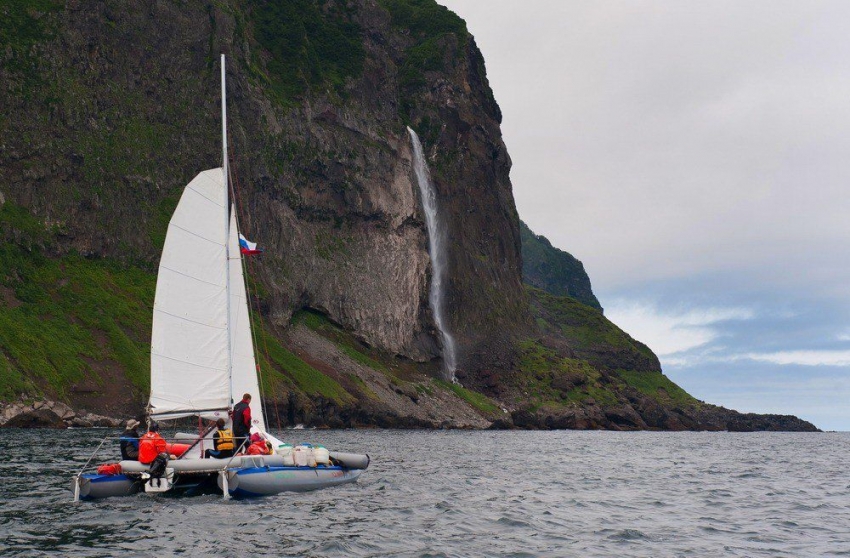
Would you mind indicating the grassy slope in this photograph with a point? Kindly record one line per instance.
(62, 316)
(604, 360)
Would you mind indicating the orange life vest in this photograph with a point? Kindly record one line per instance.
(150, 445)
(258, 448)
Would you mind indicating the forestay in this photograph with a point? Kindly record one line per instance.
(189, 357)
(244, 375)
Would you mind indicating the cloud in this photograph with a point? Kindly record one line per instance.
(803, 358)
(672, 331)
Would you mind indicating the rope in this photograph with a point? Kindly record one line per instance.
(266, 353)
(237, 203)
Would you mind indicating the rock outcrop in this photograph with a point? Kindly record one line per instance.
(553, 270)
(51, 414)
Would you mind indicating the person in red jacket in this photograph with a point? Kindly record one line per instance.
(151, 445)
(242, 422)
(258, 446)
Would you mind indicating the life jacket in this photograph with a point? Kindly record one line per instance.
(150, 445)
(258, 448)
(224, 440)
(109, 469)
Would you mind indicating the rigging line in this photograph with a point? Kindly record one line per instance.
(259, 319)
(266, 352)
(181, 361)
(233, 176)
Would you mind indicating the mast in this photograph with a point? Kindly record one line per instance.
(226, 223)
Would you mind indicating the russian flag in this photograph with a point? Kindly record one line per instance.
(248, 248)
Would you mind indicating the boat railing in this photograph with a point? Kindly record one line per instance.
(80, 473)
(225, 488)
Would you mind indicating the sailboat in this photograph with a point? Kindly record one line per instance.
(202, 355)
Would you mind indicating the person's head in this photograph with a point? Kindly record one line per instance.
(220, 423)
(255, 437)
(132, 424)
(246, 398)
(154, 427)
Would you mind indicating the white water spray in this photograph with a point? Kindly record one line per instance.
(437, 251)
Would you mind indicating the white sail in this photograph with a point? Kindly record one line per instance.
(244, 375)
(189, 357)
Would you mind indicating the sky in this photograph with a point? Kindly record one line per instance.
(696, 157)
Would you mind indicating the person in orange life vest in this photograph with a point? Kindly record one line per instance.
(222, 442)
(242, 422)
(258, 446)
(151, 445)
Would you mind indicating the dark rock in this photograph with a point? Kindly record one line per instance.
(502, 424)
(624, 417)
(36, 418)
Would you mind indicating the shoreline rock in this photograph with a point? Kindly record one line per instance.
(51, 414)
(58, 415)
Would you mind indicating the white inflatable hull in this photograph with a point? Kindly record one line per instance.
(266, 481)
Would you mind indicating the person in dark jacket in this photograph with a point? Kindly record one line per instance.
(223, 443)
(242, 422)
(130, 441)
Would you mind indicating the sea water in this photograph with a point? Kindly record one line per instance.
(462, 493)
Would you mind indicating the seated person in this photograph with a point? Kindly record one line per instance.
(258, 446)
(223, 443)
(130, 441)
(151, 445)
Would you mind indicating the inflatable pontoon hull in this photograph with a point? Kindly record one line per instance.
(266, 481)
(248, 476)
(94, 486)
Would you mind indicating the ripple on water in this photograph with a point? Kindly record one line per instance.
(432, 494)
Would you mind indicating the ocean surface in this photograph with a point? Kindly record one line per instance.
(460, 493)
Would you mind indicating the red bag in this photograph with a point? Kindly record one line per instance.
(109, 469)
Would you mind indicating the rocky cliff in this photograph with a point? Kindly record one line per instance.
(113, 106)
(553, 270)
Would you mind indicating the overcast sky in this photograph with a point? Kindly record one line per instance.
(696, 157)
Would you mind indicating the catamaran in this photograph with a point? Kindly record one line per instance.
(202, 354)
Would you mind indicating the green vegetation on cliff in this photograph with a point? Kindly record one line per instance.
(582, 356)
(310, 45)
(553, 270)
(428, 24)
(588, 332)
(69, 322)
(23, 26)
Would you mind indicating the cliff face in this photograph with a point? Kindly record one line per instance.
(117, 108)
(113, 106)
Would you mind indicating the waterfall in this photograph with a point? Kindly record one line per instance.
(437, 251)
